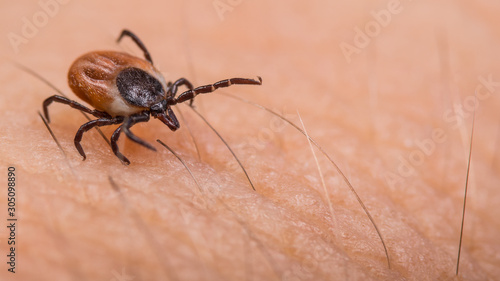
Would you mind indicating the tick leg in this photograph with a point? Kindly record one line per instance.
(190, 94)
(89, 125)
(172, 90)
(73, 104)
(114, 146)
(137, 41)
(131, 121)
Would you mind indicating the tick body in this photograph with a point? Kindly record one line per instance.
(124, 89)
(116, 83)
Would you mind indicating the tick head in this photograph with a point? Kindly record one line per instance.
(158, 108)
(166, 115)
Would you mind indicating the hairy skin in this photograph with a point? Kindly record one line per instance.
(100, 220)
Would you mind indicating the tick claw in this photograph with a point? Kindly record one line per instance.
(123, 159)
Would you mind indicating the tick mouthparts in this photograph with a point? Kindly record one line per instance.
(167, 121)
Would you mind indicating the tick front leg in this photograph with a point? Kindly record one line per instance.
(89, 125)
(190, 94)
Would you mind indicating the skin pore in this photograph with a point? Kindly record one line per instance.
(395, 115)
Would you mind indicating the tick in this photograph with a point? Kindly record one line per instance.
(124, 89)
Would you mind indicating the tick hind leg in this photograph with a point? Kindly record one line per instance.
(91, 124)
(73, 104)
(190, 94)
(137, 41)
(128, 123)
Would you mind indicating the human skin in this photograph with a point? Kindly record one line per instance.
(101, 220)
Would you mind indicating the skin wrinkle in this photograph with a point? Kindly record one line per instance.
(368, 115)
